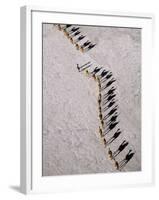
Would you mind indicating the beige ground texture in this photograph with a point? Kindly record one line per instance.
(71, 143)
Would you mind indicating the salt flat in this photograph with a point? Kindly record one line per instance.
(71, 143)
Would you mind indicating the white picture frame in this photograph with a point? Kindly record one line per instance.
(31, 142)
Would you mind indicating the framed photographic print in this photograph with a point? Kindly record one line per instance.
(86, 100)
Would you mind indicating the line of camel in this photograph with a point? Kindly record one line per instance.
(107, 102)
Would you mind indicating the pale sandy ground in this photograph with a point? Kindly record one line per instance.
(71, 143)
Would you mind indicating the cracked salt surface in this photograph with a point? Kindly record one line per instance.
(70, 114)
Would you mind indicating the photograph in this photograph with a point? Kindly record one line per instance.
(91, 99)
